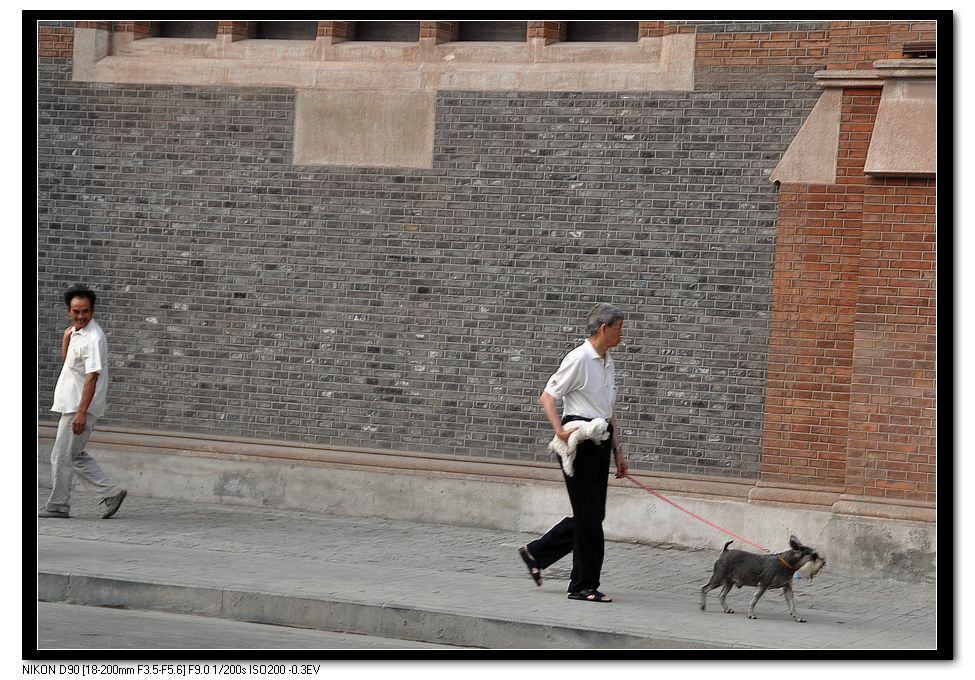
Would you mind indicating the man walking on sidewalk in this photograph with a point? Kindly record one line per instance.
(585, 382)
(80, 399)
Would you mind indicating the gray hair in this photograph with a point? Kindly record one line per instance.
(602, 313)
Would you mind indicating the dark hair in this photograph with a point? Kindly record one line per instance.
(602, 313)
(79, 291)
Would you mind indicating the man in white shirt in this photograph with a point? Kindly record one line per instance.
(80, 399)
(585, 382)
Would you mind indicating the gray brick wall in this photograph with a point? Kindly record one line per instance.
(420, 310)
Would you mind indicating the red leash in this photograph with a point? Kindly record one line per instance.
(711, 524)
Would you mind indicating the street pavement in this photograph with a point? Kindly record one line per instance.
(440, 584)
(70, 626)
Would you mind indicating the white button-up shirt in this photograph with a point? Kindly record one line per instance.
(585, 384)
(87, 353)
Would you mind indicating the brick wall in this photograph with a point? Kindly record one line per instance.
(892, 446)
(55, 42)
(811, 337)
(852, 349)
(857, 44)
(784, 333)
(764, 48)
(421, 310)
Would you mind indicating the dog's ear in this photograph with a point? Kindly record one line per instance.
(794, 542)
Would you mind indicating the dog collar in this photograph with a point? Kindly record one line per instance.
(787, 565)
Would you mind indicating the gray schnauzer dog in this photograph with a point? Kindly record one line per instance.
(740, 568)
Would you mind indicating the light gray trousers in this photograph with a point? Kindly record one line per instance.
(67, 458)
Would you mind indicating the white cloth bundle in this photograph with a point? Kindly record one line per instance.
(596, 430)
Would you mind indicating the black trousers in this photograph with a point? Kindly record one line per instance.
(581, 534)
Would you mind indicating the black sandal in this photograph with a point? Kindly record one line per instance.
(533, 567)
(590, 596)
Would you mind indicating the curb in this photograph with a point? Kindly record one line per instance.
(389, 620)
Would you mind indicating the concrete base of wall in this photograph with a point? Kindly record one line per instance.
(857, 537)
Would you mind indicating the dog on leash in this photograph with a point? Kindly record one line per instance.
(595, 430)
(741, 568)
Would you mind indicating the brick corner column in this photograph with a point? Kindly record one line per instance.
(547, 32)
(439, 31)
(236, 30)
(331, 32)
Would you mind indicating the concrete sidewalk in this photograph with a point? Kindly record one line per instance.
(442, 584)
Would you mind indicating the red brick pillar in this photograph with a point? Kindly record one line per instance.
(850, 397)
(439, 31)
(892, 442)
(811, 336)
(547, 31)
(237, 30)
(336, 31)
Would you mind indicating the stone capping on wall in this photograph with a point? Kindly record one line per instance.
(826, 499)
(905, 136)
(904, 139)
(651, 64)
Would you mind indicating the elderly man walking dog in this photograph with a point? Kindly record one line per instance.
(585, 383)
(80, 397)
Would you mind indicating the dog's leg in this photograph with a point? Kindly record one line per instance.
(790, 600)
(762, 587)
(724, 593)
(706, 588)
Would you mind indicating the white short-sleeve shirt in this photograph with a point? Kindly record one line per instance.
(87, 353)
(585, 384)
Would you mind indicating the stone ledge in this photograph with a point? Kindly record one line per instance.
(884, 508)
(842, 78)
(822, 498)
(378, 460)
(653, 64)
(828, 499)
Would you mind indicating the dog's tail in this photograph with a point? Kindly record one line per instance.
(726, 546)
